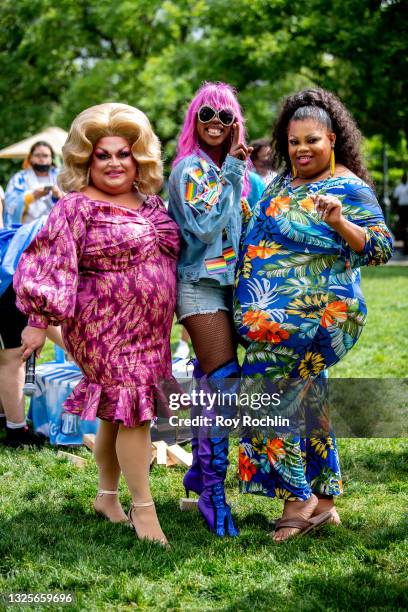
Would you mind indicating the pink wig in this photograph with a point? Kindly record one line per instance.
(218, 95)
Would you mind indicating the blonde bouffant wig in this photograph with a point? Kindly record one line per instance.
(111, 119)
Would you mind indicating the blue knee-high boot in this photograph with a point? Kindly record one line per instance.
(192, 480)
(213, 456)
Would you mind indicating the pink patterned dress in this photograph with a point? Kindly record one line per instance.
(107, 274)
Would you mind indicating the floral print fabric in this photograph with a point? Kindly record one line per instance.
(299, 307)
(107, 274)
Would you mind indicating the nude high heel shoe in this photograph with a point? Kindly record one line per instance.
(102, 492)
(162, 541)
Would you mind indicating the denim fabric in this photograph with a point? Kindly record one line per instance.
(203, 297)
(205, 201)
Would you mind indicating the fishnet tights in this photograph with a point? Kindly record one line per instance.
(212, 336)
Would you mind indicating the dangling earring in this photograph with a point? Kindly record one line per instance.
(135, 185)
(332, 162)
(294, 171)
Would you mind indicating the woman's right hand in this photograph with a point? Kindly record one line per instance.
(32, 339)
(40, 192)
(238, 149)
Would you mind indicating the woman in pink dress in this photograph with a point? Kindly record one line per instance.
(104, 268)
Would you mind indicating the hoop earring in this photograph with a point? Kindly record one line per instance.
(332, 162)
(294, 171)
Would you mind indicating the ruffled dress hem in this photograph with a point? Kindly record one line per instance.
(131, 406)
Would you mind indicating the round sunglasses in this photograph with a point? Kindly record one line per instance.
(207, 113)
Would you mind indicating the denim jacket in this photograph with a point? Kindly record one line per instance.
(205, 202)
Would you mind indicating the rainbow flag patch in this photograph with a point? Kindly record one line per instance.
(229, 255)
(191, 191)
(216, 265)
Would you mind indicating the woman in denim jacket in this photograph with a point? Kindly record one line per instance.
(206, 189)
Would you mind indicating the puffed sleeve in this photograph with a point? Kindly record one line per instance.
(201, 202)
(46, 278)
(362, 208)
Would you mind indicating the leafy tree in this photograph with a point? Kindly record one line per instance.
(58, 57)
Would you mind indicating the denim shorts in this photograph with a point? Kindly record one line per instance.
(203, 297)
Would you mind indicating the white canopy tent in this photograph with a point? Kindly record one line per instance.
(55, 136)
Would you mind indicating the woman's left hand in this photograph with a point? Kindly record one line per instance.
(329, 209)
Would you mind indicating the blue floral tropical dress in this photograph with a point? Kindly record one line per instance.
(298, 306)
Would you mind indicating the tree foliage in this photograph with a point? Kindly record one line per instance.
(59, 56)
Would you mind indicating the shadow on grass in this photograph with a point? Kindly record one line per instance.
(70, 533)
(67, 549)
(397, 462)
(356, 590)
(53, 541)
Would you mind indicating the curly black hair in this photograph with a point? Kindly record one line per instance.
(348, 136)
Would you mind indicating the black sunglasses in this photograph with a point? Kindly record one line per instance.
(206, 113)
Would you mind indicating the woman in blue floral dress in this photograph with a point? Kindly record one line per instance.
(298, 301)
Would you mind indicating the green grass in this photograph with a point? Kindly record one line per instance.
(382, 350)
(50, 539)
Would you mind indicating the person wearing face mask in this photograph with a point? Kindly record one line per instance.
(32, 192)
(298, 300)
(208, 188)
(104, 266)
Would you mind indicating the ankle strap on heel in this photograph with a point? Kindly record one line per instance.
(105, 492)
(142, 504)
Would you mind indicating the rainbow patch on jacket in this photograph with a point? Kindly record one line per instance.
(229, 255)
(216, 265)
(203, 187)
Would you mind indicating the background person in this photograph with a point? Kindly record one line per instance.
(32, 192)
(12, 322)
(104, 267)
(401, 196)
(2, 195)
(298, 300)
(12, 373)
(261, 159)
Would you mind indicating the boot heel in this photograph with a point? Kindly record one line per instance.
(187, 504)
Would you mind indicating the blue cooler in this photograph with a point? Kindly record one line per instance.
(55, 381)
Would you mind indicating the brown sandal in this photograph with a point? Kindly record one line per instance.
(305, 525)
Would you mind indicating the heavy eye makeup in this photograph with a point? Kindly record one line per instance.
(310, 140)
(101, 154)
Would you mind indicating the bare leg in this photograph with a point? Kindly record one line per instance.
(11, 384)
(133, 448)
(109, 472)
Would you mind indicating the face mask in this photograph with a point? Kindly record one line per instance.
(41, 167)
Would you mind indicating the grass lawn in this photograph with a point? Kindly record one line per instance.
(50, 539)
